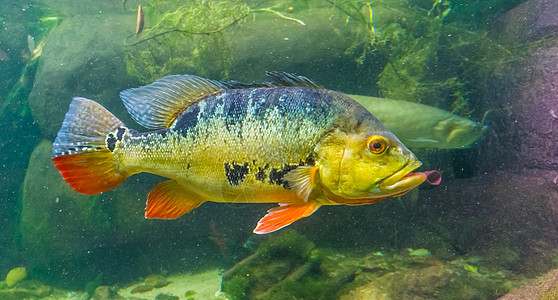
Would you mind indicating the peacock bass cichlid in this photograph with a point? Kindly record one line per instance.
(290, 142)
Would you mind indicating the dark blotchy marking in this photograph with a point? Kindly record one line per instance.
(236, 173)
(260, 175)
(188, 120)
(162, 132)
(111, 142)
(276, 175)
(310, 160)
(188, 166)
(359, 122)
(135, 133)
(119, 133)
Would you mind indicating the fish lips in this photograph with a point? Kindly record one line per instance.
(403, 180)
(397, 184)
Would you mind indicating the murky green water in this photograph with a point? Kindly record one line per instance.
(482, 72)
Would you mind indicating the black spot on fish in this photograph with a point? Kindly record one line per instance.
(260, 175)
(120, 133)
(359, 122)
(188, 166)
(236, 173)
(188, 120)
(276, 175)
(310, 161)
(136, 133)
(111, 142)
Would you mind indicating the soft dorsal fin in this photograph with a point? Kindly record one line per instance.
(290, 79)
(156, 105)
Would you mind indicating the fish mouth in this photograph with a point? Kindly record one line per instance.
(403, 180)
(397, 184)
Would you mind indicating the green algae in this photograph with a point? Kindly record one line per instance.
(90, 286)
(424, 52)
(272, 273)
(428, 55)
(183, 35)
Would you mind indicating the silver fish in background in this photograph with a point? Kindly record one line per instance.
(422, 126)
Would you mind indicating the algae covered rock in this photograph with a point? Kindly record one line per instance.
(542, 288)
(55, 220)
(280, 258)
(157, 281)
(408, 284)
(276, 272)
(104, 292)
(82, 56)
(28, 289)
(15, 275)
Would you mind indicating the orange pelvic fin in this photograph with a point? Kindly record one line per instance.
(168, 200)
(284, 215)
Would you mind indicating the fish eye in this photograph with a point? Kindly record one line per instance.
(377, 144)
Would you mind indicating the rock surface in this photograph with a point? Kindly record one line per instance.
(524, 106)
(530, 21)
(286, 266)
(83, 56)
(543, 288)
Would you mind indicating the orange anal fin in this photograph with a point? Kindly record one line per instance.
(284, 215)
(168, 200)
(90, 172)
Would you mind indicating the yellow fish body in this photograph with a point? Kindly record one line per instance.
(289, 142)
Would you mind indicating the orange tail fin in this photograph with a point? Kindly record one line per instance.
(82, 151)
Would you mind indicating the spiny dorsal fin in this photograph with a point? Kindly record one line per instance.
(278, 79)
(156, 105)
(290, 79)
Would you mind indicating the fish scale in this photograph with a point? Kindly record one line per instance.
(235, 128)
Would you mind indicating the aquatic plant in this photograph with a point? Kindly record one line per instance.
(425, 57)
(90, 286)
(16, 275)
(271, 273)
(184, 34)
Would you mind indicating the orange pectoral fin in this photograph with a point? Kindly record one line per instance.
(168, 200)
(284, 215)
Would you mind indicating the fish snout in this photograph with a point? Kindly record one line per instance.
(403, 180)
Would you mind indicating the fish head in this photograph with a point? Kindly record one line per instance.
(458, 132)
(360, 168)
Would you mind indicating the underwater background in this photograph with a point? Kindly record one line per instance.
(489, 230)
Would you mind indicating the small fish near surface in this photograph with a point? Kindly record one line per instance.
(139, 20)
(289, 141)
